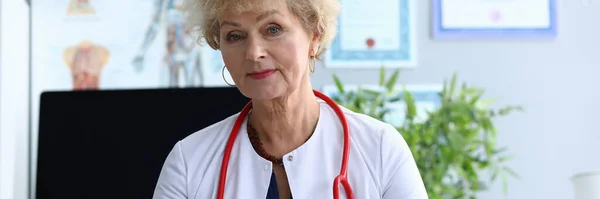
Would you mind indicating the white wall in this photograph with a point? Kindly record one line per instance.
(14, 99)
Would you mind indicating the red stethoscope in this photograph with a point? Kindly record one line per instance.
(341, 178)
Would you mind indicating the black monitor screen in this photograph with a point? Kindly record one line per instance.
(112, 144)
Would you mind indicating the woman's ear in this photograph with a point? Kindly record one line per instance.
(315, 44)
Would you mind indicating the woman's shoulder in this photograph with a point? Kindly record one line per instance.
(197, 151)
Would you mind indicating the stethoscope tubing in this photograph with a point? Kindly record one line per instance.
(342, 178)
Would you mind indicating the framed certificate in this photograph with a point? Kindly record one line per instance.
(494, 19)
(374, 33)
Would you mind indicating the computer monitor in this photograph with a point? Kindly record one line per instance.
(112, 144)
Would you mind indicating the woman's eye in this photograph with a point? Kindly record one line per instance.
(273, 30)
(234, 37)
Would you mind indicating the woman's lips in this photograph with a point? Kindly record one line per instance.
(262, 74)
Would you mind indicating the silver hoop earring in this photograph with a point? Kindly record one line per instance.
(313, 62)
(223, 74)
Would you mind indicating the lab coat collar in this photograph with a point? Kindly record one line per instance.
(248, 169)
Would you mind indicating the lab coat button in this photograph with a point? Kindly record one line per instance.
(266, 167)
(290, 158)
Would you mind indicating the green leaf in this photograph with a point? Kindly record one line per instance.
(371, 92)
(511, 172)
(411, 110)
(494, 175)
(489, 147)
(509, 109)
(485, 103)
(476, 96)
(338, 84)
(487, 126)
(450, 93)
(505, 158)
(392, 81)
(444, 93)
(395, 98)
(381, 76)
(483, 164)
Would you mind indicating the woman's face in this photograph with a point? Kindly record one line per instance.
(267, 53)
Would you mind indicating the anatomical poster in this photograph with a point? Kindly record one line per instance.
(113, 44)
(116, 44)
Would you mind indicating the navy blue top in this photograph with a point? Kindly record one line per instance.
(273, 192)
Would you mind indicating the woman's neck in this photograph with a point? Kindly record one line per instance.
(283, 124)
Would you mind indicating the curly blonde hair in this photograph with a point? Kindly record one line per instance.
(315, 15)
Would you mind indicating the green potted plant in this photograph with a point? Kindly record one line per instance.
(454, 145)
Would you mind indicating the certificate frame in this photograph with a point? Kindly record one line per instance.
(405, 56)
(440, 32)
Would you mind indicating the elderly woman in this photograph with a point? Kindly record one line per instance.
(288, 142)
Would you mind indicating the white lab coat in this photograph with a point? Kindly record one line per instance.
(380, 165)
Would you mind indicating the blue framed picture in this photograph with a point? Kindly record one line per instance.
(494, 19)
(374, 33)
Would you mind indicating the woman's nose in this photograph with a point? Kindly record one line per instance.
(255, 50)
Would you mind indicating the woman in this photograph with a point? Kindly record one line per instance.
(290, 144)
